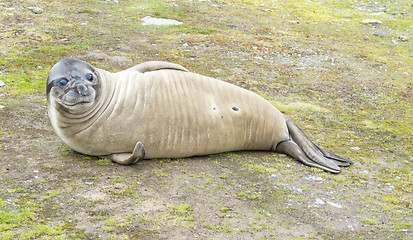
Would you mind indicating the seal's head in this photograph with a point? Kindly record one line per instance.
(73, 84)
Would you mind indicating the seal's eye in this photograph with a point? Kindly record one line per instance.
(89, 77)
(61, 82)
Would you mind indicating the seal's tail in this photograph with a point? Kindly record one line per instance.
(305, 151)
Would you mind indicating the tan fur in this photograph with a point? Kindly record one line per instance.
(161, 110)
(174, 113)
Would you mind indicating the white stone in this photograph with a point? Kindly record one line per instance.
(403, 38)
(314, 178)
(36, 10)
(148, 20)
(318, 201)
(335, 205)
(372, 21)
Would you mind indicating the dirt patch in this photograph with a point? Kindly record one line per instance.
(227, 196)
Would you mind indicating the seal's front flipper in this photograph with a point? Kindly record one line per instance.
(129, 158)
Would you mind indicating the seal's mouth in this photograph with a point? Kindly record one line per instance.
(80, 101)
(72, 98)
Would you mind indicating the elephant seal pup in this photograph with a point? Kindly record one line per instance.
(172, 112)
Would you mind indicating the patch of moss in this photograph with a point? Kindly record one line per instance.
(249, 195)
(369, 220)
(159, 173)
(25, 215)
(104, 161)
(182, 215)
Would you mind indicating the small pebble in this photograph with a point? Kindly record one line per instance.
(372, 22)
(314, 178)
(318, 201)
(381, 34)
(403, 38)
(293, 22)
(148, 20)
(335, 205)
(36, 10)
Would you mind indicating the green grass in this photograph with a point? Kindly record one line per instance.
(24, 217)
(104, 161)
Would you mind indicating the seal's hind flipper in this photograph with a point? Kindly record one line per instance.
(340, 161)
(128, 158)
(291, 148)
(304, 150)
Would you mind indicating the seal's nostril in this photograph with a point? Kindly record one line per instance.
(82, 90)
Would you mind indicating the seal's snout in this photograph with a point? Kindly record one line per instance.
(78, 93)
(82, 90)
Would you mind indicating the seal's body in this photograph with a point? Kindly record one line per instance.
(172, 112)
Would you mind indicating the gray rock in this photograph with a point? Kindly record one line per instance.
(336, 205)
(35, 10)
(314, 178)
(403, 38)
(381, 34)
(372, 21)
(318, 201)
(148, 20)
(293, 21)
